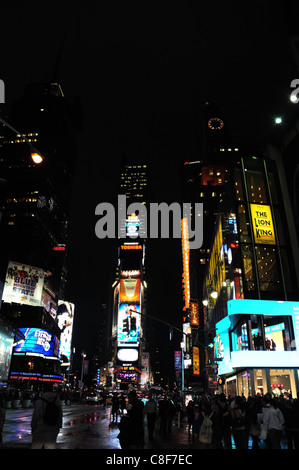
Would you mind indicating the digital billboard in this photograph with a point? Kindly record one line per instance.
(38, 341)
(127, 355)
(194, 313)
(129, 290)
(128, 324)
(262, 224)
(23, 284)
(65, 318)
(6, 344)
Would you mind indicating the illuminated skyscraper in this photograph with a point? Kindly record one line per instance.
(129, 287)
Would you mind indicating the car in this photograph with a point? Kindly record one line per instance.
(93, 398)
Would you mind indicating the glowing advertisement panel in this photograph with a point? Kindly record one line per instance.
(262, 224)
(274, 355)
(6, 342)
(65, 316)
(128, 325)
(23, 284)
(129, 290)
(38, 341)
(222, 346)
(127, 354)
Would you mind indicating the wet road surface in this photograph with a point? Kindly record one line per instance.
(88, 427)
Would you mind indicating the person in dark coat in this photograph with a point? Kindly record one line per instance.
(131, 427)
(224, 423)
(190, 416)
(115, 407)
(44, 436)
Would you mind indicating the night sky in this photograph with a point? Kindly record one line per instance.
(142, 73)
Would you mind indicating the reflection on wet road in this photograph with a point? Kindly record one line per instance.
(81, 425)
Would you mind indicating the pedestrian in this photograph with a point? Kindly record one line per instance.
(163, 416)
(254, 411)
(190, 410)
(207, 438)
(170, 412)
(150, 409)
(224, 423)
(195, 424)
(45, 435)
(238, 420)
(272, 421)
(290, 412)
(131, 428)
(123, 404)
(115, 407)
(2, 415)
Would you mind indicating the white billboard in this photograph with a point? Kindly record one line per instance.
(23, 284)
(65, 318)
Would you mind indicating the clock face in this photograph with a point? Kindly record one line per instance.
(215, 123)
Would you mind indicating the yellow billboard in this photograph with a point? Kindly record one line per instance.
(262, 224)
(196, 368)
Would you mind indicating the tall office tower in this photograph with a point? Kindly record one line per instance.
(35, 201)
(203, 181)
(129, 288)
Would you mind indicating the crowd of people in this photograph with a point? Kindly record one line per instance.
(224, 420)
(215, 422)
(212, 422)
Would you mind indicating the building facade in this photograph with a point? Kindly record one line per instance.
(35, 203)
(128, 323)
(251, 284)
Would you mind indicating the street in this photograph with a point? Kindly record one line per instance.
(84, 427)
(90, 427)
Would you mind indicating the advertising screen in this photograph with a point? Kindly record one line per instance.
(177, 360)
(23, 284)
(129, 290)
(128, 324)
(127, 355)
(262, 224)
(38, 341)
(6, 342)
(194, 313)
(65, 318)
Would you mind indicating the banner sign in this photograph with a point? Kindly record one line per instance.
(262, 224)
(23, 284)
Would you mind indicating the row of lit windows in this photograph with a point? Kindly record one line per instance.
(22, 199)
(213, 194)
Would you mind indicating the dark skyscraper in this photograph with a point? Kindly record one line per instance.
(35, 204)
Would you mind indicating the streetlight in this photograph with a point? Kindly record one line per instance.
(83, 355)
(36, 156)
(183, 378)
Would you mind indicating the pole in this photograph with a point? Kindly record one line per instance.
(83, 355)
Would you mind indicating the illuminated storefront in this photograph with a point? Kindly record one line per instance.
(257, 346)
(250, 295)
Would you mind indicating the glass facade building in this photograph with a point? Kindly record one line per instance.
(251, 310)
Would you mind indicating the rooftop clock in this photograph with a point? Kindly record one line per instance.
(215, 123)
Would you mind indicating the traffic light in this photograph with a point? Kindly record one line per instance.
(210, 340)
(126, 328)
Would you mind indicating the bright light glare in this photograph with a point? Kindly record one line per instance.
(278, 120)
(36, 157)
